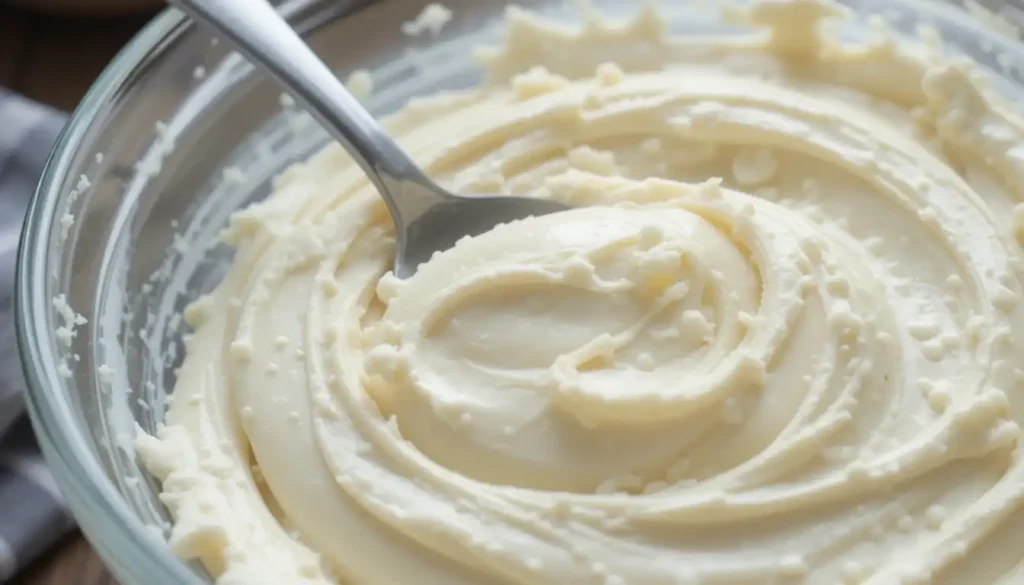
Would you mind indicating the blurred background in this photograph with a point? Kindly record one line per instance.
(50, 51)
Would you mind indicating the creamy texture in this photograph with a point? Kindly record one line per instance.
(776, 342)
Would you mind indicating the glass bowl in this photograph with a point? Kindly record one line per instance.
(177, 134)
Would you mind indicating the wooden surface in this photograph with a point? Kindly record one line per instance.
(71, 563)
(54, 60)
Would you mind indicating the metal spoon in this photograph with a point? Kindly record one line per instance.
(427, 217)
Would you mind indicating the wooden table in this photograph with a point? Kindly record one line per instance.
(71, 563)
(54, 60)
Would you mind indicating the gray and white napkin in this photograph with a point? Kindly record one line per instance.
(33, 515)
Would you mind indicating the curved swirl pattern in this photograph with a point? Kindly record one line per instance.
(775, 341)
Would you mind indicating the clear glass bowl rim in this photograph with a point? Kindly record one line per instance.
(120, 538)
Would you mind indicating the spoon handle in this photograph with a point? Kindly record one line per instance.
(256, 29)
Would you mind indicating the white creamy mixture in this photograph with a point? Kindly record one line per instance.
(777, 342)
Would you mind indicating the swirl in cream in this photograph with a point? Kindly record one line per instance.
(775, 341)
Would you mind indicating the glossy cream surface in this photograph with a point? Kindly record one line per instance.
(776, 341)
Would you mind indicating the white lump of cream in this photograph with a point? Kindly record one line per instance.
(432, 19)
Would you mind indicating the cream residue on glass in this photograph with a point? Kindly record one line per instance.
(777, 341)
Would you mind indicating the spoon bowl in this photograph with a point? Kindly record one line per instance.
(445, 223)
(428, 218)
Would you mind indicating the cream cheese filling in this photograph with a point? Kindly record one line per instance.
(777, 340)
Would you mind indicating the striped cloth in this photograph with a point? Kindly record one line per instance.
(33, 515)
